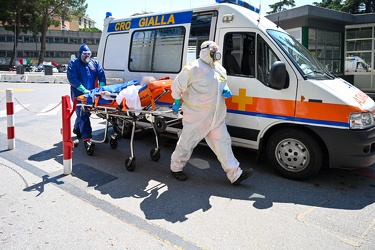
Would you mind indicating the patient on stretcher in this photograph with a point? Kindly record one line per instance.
(134, 94)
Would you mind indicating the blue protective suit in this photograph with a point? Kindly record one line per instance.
(86, 74)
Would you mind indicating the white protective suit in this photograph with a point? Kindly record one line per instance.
(200, 84)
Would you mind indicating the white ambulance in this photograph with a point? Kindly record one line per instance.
(285, 104)
(356, 64)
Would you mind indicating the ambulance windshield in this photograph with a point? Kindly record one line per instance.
(308, 65)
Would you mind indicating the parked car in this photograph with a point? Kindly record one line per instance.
(42, 67)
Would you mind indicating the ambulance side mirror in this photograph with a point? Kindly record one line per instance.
(278, 76)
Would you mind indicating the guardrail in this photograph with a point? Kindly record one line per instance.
(33, 77)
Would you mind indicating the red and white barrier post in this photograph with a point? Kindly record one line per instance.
(67, 112)
(10, 119)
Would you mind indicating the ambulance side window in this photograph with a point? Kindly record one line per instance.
(266, 58)
(157, 50)
(239, 54)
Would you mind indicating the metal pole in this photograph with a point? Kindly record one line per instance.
(10, 119)
(15, 41)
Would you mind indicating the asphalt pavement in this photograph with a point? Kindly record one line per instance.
(101, 205)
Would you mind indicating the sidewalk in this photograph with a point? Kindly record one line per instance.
(37, 214)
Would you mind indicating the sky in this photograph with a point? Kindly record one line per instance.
(96, 10)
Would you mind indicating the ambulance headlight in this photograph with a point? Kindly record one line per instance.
(361, 120)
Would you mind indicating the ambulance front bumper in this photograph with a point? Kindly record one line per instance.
(349, 149)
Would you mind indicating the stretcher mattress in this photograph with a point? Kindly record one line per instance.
(158, 91)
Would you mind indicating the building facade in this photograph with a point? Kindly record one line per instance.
(343, 42)
(62, 42)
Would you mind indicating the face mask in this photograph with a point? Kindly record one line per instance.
(215, 55)
(86, 56)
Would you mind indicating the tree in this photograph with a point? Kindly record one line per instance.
(93, 29)
(17, 16)
(50, 8)
(279, 6)
(330, 4)
(350, 6)
(359, 6)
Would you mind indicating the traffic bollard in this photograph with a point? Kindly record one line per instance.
(67, 112)
(10, 119)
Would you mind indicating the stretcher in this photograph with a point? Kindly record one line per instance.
(110, 104)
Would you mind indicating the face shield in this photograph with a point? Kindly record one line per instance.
(86, 56)
(214, 51)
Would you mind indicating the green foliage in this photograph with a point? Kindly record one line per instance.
(93, 29)
(50, 8)
(17, 16)
(359, 6)
(349, 6)
(279, 6)
(330, 4)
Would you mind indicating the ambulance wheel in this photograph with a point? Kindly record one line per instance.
(130, 164)
(113, 143)
(155, 154)
(160, 124)
(294, 154)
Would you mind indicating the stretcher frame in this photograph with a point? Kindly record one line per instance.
(153, 113)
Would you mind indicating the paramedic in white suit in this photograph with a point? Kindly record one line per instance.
(203, 88)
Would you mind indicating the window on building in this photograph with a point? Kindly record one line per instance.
(49, 39)
(29, 39)
(157, 50)
(326, 46)
(360, 44)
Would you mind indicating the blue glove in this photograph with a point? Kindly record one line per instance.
(83, 89)
(101, 84)
(176, 106)
(226, 92)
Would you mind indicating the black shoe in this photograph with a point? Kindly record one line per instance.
(245, 174)
(77, 133)
(89, 146)
(179, 175)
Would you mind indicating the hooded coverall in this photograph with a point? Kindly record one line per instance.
(200, 84)
(85, 74)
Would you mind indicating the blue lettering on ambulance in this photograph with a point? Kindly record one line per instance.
(151, 21)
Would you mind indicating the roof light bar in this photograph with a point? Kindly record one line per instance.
(240, 3)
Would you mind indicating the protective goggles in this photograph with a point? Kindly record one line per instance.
(214, 51)
(86, 53)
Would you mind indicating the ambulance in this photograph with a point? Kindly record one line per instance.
(285, 105)
(356, 64)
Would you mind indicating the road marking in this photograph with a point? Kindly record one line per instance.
(17, 90)
(3, 113)
(51, 109)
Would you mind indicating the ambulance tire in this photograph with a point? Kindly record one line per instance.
(294, 154)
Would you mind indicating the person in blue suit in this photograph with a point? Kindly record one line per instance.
(83, 74)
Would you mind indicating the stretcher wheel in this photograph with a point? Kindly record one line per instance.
(160, 124)
(130, 164)
(113, 143)
(155, 154)
(76, 143)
